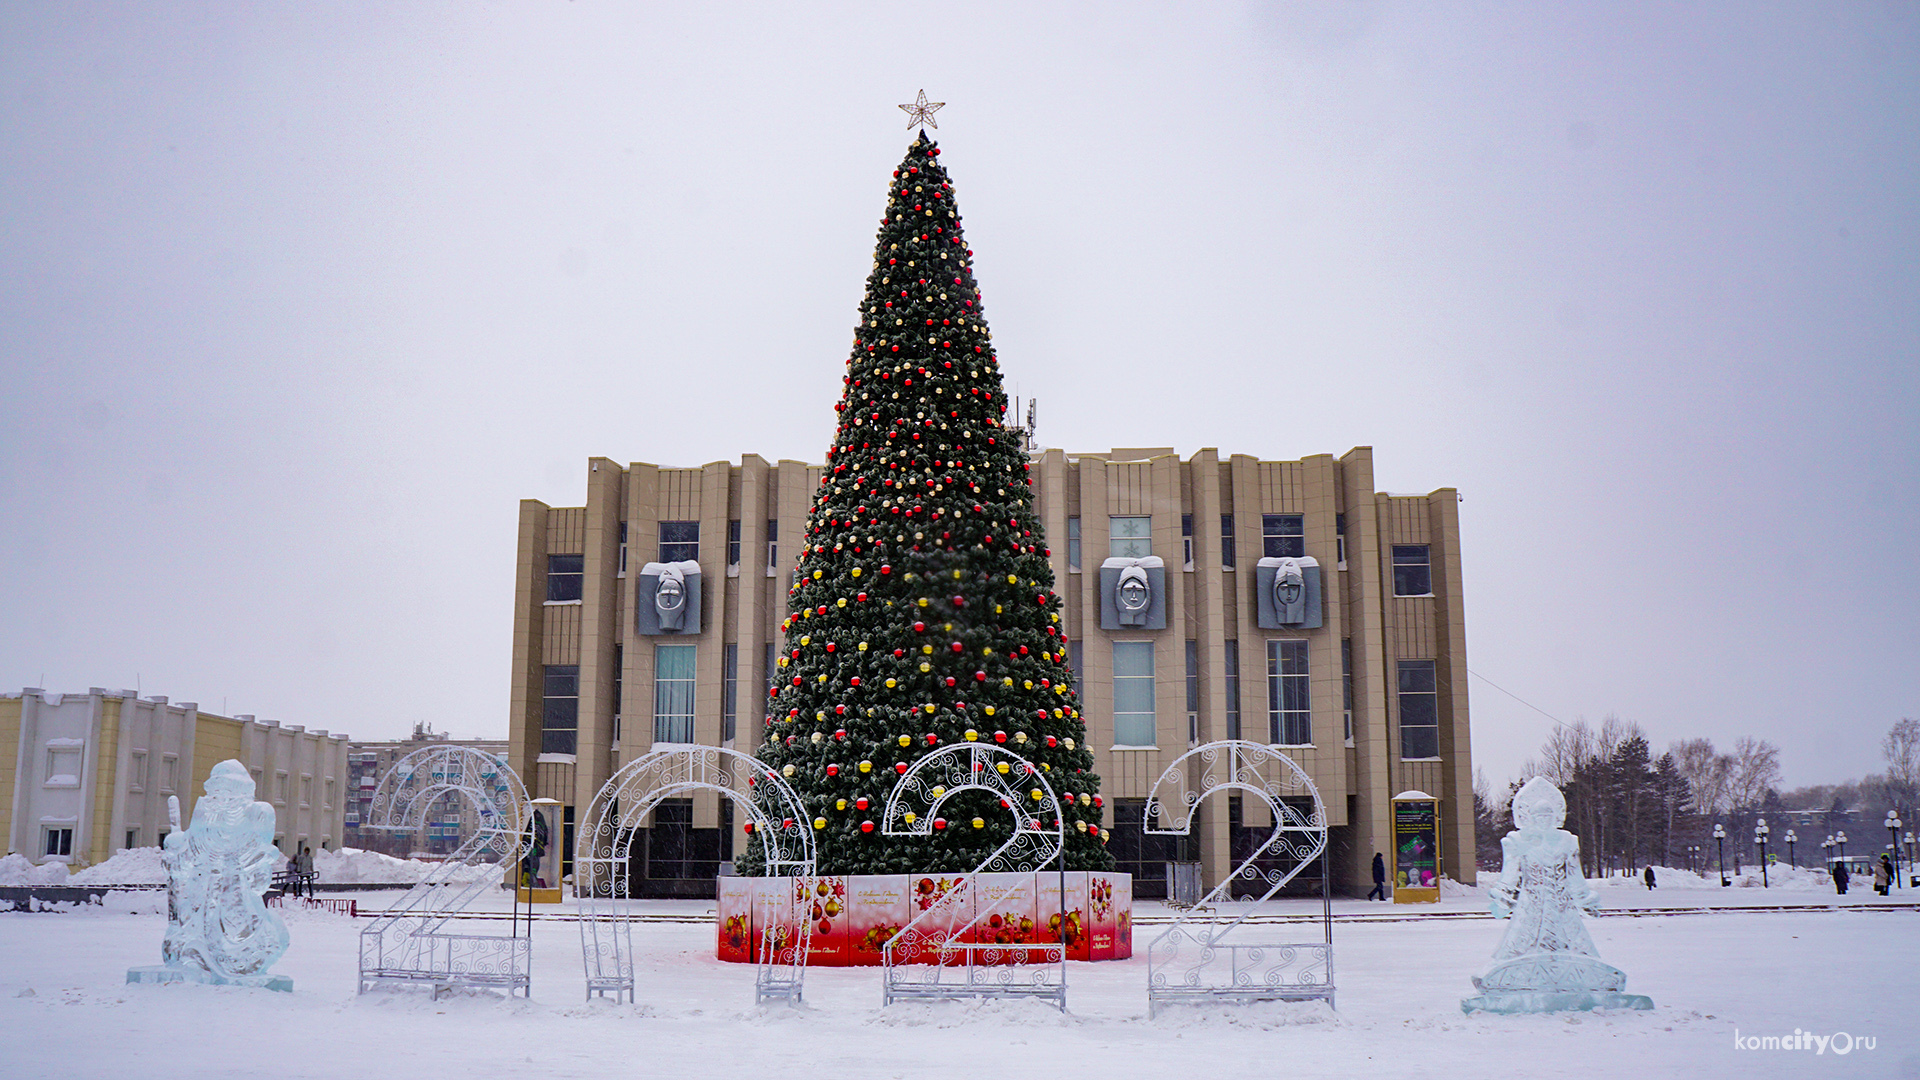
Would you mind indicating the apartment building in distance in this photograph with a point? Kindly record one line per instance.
(85, 775)
(449, 819)
(1293, 604)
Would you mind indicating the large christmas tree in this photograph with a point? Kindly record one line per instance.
(923, 613)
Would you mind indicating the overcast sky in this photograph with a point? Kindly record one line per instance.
(297, 301)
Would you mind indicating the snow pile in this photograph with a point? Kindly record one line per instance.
(19, 870)
(1779, 876)
(354, 866)
(1453, 890)
(129, 866)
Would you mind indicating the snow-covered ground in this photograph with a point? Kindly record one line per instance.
(142, 866)
(1826, 968)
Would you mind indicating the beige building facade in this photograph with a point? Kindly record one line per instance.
(1369, 695)
(449, 820)
(85, 775)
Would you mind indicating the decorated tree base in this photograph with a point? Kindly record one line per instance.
(853, 916)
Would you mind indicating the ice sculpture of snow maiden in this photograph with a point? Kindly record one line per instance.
(218, 927)
(1546, 962)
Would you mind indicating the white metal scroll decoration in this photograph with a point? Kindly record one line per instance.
(1209, 954)
(775, 814)
(937, 954)
(421, 938)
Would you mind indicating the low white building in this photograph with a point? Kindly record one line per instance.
(84, 775)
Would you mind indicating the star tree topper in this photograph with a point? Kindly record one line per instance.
(921, 111)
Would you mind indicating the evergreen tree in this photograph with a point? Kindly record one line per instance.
(922, 612)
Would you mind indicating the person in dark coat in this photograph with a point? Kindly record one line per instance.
(1379, 877)
(1649, 877)
(1883, 875)
(1840, 877)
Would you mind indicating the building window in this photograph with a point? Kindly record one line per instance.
(619, 682)
(1073, 544)
(329, 802)
(673, 693)
(1412, 573)
(1283, 536)
(1193, 691)
(560, 709)
(1074, 656)
(280, 789)
(59, 842)
(1419, 710)
(730, 693)
(1226, 541)
(133, 838)
(565, 576)
(1133, 693)
(1129, 537)
(1346, 684)
(170, 774)
(1232, 681)
(733, 546)
(1289, 719)
(138, 782)
(306, 791)
(679, 541)
(1340, 539)
(773, 547)
(623, 550)
(63, 767)
(1186, 541)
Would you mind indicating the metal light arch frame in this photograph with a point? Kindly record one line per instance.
(1186, 961)
(415, 941)
(1029, 970)
(603, 842)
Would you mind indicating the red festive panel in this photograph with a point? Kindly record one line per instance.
(1064, 918)
(947, 904)
(1004, 906)
(1123, 916)
(1101, 915)
(826, 910)
(733, 910)
(776, 905)
(876, 910)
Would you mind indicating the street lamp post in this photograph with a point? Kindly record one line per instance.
(1840, 841)
(1913, 879)
(1790, 858)
(1893, 834)
(1760, 831)
(1720, 842)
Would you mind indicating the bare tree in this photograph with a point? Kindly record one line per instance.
(1901, 748)
(1756, 770)
(1706, 771)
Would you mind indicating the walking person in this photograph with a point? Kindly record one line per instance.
(1840, 877)
(1379, 877)
(305, 859)
(1649, 877)
(1883, 876)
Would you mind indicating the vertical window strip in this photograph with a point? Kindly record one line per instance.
(673, 676)
(1133, 693)
(1290, 720)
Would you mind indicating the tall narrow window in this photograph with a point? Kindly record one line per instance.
(773, 547)
(1186, 541)
(1340, 539)
(565, 574)
(1419, 710)
(1073, 543)
(1283, 536)
(1346, 684)
(1129, 537)
(1289, 720)
(771, 670)
(1412, 570)
(560, 709)
(673, 693)
(679, 541)
(619, 679)
(733, 546)
(138, 781)
(1232, 684)
(1075, 654)
(730, 693)
(1226, 541)
(623, 550)
(1133, 693)
(1193, 691)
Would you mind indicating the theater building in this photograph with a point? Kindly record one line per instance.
(1286, 602)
